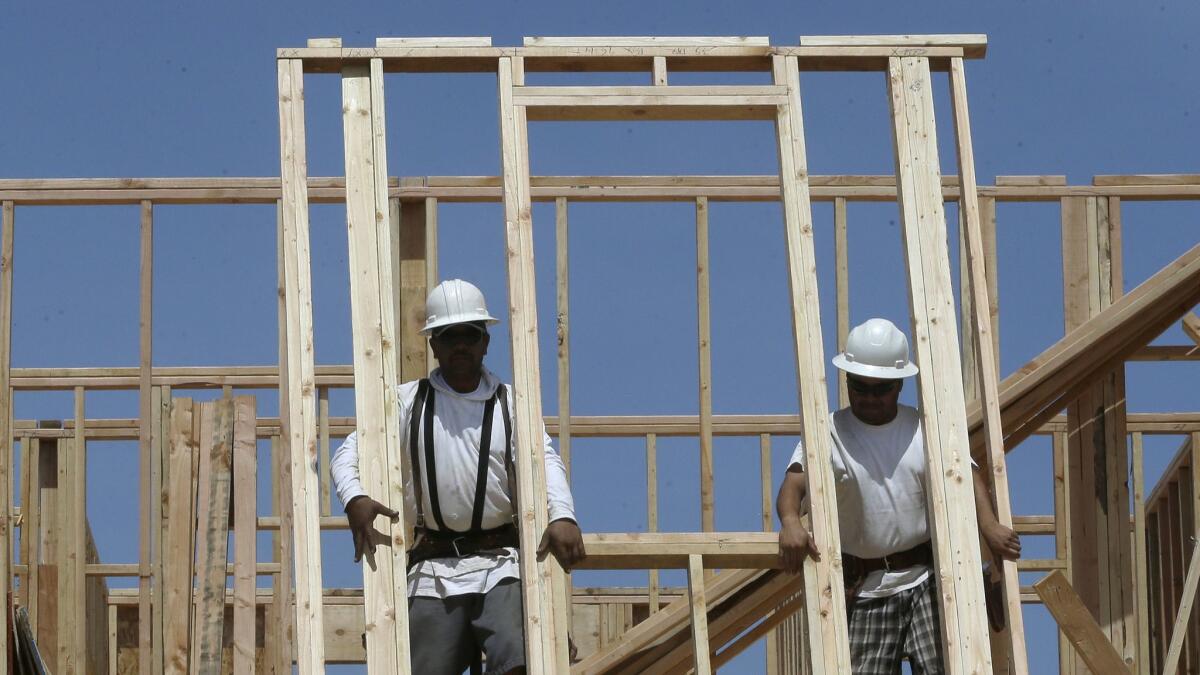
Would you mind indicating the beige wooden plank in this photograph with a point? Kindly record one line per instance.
(652, 511)
(1179, 629)
(431, 266)
(8, 223)
(217, 428)
(828, 643)
(159, 433)
(245, 507)
(145, 413)
(433, 42)
(1076, 621)
(704, 350)
(31, 512)
(374, 362)
(177, 538)
(943, 408)
(658, 71)
(1191, 326)
(77, 614)
(323, 456)
(986, 362)
(531, 491)
(411, 285)
(701, 662)
(644, 41)
(1147, 179)
(562, 277)
(1141, 568)
(974, 44)
(649, 107)
(841, 256)
(301, 409)
(324, 43)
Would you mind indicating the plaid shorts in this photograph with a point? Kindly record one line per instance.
(884, 631)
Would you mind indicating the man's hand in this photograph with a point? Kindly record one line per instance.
(1003, 541)
(565, 541)
(796, 544)
(361, 513)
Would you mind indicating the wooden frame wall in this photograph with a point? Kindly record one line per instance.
(30, 193)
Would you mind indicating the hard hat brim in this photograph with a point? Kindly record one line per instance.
(452, 320)
(868, 370)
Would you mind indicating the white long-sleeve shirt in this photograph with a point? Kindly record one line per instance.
(457, 430)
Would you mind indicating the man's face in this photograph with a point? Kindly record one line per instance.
(873, 400)
(459, 349)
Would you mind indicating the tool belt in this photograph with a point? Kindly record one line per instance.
(855, 569)
(449, 544)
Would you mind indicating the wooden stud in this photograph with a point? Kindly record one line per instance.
(652, 510)
(374, 358)
(841, 255)
(77, 554)
(411, 281)
(563, 325)
(301, 409)
(828, 643)
(704, 329)
(145, 414)
(283, 606)
(216, 442)
(30, 524)
(177, 539)
(1141, 571)
(943, 408)
(700, 659)
(431, 260)
(1185, 609)
(8, 223)
(764, 471)
(1076, 621)
(986, 362)
(658, 75)
(540, 643)
(323, 457)
(158, 425)
(245, 510)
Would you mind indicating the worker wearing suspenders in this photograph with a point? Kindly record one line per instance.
(464, 575)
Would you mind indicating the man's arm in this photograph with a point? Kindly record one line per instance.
(795, 542)
(1003, 541)
(361, 510)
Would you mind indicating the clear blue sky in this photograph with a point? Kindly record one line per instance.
(167, 89)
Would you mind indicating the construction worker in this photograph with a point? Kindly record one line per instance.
(878, 460)
(464, 589)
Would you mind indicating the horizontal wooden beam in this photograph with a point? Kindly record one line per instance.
(974, 45)
(670, 550)
(195, 191)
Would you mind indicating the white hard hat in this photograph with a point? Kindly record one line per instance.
(455, 301)
(876, 348)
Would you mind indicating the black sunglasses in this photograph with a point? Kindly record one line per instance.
(468, 334)
(867, 389)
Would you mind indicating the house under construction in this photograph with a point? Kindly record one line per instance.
(1121, 583)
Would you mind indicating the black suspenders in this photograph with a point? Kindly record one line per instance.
(421, 420)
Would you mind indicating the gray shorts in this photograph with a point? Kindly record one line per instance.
(445, 635)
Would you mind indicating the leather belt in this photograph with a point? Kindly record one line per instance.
(855, 569)
(449, 544)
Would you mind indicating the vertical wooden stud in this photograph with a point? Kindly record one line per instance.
(301, 380)
(1141, 572)
(829, 647)
(652, 510)
(7, 222)
(986, 360)
(700, 653)
(245, 522)
(542, 652)
(943, 407)
(375, 375)
(704, 329)
(841, 255)
(145, 414)
(563, 301)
